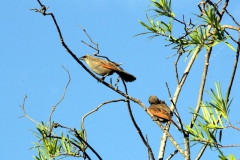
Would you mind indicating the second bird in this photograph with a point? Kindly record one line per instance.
(160, 110)
(104, 68)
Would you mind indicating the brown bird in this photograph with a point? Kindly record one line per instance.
(160, 110)
(104, 68)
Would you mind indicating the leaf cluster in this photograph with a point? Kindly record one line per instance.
(51, 146)
(209, 33)
(210, 124)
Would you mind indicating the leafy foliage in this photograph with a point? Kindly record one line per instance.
(212, 120)
(208, 34)
(51, 146)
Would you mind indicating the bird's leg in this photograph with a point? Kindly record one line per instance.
(118, 79)
(104, 77)
(111, 82)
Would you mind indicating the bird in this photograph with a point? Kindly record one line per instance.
(160, 110)
(105, 68)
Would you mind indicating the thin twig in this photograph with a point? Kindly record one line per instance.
(96, 44)
(234, 68)
(148, 152)
(177, 113)
(27, 116)
(203, 82)
(230, 36)
(136, 126)
(230, 125)
(234, 20)
(94, 110)
(230, 146)
(95, 48)
(172, 154)
(230, 27)
(223, 10)
(176, 70)
(172, 55)
(63, 95)
(185, 133)
(215, 144)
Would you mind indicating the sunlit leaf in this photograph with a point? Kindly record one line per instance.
(230, 46)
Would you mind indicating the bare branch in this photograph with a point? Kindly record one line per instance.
(97, 49)
(230, 125)
(136, 126)
(223, 9)
(94, 110)
(204, 77)
(232, 18)
(63, 95)
(230, 146)
(231, 37)
(185, 133)
(176, 70)
(177, 114)
(27, 116)
(234, 68)
(172, 154)
(231, 27)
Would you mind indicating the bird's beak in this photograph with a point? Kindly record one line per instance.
(82, 58)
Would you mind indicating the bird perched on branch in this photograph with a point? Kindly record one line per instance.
(160, 110)
(104, 68)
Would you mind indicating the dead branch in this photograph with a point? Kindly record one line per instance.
(63, 95)
(27, 116)
(94, 110)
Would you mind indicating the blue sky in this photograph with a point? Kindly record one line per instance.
(31, 59)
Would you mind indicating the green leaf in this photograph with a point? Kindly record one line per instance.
(231, 47)
(220, 136)
(212, 126)
(64, 142)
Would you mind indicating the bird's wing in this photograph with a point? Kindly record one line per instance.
(158, 112)
(112, 66)
(109, 65)
(165, 108)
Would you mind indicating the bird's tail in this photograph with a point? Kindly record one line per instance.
(126, 76)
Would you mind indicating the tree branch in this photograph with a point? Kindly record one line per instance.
(232, 18)
(136, 126)
(176, 94)
(234, 68)
(201, 90)
(63, 95)
(27, 116)
(94, 110)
